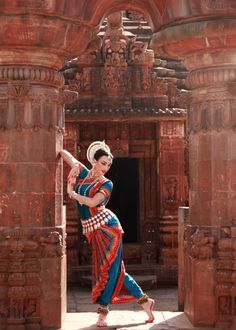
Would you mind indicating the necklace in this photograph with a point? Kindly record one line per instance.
(89, 185)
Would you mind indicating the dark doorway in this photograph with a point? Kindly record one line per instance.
(125, 196)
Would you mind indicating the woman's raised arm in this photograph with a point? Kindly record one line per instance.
(69, 158)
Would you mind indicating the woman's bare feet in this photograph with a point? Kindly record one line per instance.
(148, 308)
(102, 321)
(102, 317)
(147, 305)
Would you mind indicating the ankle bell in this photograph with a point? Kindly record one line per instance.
(102, 310)
(143, 299)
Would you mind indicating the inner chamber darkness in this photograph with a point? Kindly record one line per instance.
(124, 199)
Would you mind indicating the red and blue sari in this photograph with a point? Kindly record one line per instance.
(110, 282)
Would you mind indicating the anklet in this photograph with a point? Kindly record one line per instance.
(143, 299)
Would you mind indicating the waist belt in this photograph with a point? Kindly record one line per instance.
(96, 221)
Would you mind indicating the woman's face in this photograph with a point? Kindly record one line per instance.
(102, 165)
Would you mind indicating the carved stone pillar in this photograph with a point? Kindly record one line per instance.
(32, 232)
(72, 228)
(212, 165)
(208, 49)
(32, 229)
(172, 187)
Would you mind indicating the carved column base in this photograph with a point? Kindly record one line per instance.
(200, 293)
(29, 258)
(169, 240)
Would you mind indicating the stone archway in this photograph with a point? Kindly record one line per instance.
(36, 37)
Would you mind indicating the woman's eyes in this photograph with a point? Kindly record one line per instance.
(106, 164)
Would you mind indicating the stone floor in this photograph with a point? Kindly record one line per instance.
(82, 314)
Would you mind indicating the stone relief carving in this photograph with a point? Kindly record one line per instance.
(138, 50)
(202, 245)
(51, 245)
(3, 309)
(218, 4)
(113, 78)
(37, 112)
(30, 308)
(20, 253)
(170, 189)
(212, 115)
(18, 89)
(224, 305)
(122, 64)
(115, 21)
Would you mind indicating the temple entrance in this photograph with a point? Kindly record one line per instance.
(125, 97)
(124, 201)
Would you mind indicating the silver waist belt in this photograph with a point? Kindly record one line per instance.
(96, 221)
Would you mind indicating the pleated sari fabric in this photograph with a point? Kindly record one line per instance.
(110, 282)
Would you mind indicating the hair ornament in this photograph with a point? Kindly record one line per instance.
(93, 147)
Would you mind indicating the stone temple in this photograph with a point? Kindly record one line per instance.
(155, 79)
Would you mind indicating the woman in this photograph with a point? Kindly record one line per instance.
(91, 190)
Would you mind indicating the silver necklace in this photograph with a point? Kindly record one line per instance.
(90, 185)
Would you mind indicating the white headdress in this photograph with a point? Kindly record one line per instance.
(96, 145)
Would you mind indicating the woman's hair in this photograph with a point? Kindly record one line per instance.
(101, 152)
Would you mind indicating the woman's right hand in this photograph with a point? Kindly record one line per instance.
(71, 179)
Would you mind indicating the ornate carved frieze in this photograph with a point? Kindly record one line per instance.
(113, 78)
(123, 66)
(215, 113)
(124, 112)
(218, 5)
(28, 107)
(31, 75)
(211, 77)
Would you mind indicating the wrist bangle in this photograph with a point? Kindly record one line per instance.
(72, 193)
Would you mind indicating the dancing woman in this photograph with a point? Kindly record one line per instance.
(91, 190)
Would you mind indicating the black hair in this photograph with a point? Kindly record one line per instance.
(101, 152)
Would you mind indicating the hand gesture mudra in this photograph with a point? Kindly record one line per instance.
(71, 180)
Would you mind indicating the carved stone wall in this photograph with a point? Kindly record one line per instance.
(118, 70)
(28, 258)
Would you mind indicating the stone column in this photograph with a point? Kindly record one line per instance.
(32, 229)
(172, 183)
(32, 235)
(212, 163)
(208, 49)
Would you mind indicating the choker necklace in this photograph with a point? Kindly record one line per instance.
(93, 176)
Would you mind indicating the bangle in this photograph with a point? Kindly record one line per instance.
(73, 193)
